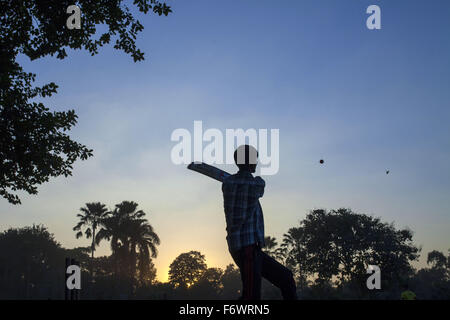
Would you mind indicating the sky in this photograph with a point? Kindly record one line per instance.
(365, 101)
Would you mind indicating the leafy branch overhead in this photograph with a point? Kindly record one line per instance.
(34, 141)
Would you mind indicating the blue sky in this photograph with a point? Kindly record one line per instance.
(365, 101)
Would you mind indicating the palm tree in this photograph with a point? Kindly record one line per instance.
(271, 248)
(111, 230)
(90, 219)
(144, 239)
(129, 233)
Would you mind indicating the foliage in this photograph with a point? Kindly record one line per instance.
(132, 240)
(187, 269)
(92, 215)
(31, 262)
(437, 260)
(209, 285)
(34, 143)
(231, 282)
(433, 282)
(337, 246)
(272, 249)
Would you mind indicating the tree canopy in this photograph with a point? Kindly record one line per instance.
(34, 141)
(133, 242)
(31, 261)
(187, 269)
(340, 244)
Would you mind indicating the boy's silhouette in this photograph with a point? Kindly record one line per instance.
(245, 229)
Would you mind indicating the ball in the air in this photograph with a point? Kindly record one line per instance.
(321, 161)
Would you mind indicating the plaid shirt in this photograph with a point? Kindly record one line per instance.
(243, 212)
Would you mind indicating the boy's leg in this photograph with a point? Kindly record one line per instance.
(279, 276)
(249, 262)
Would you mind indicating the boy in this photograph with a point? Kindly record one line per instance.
(245, 229)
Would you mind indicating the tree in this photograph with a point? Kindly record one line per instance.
(437, 260)
(111, 230)
(187, 269)
(31, 264)
(340, 244)
(294, 253)
(34, 145)
(209, 285)
(103, 267)
(132, 239)
(143, 242)
(33, 142)
(147, 273)
(114, 229)
(91, 217)
(272, 249)
(433, 282)
(231, 282)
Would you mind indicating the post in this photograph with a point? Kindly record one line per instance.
(66, 290)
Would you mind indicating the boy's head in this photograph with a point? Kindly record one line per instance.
(246, 158)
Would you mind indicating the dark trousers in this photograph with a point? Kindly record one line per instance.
(255, 264)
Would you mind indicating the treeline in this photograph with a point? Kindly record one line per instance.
(328, 252)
